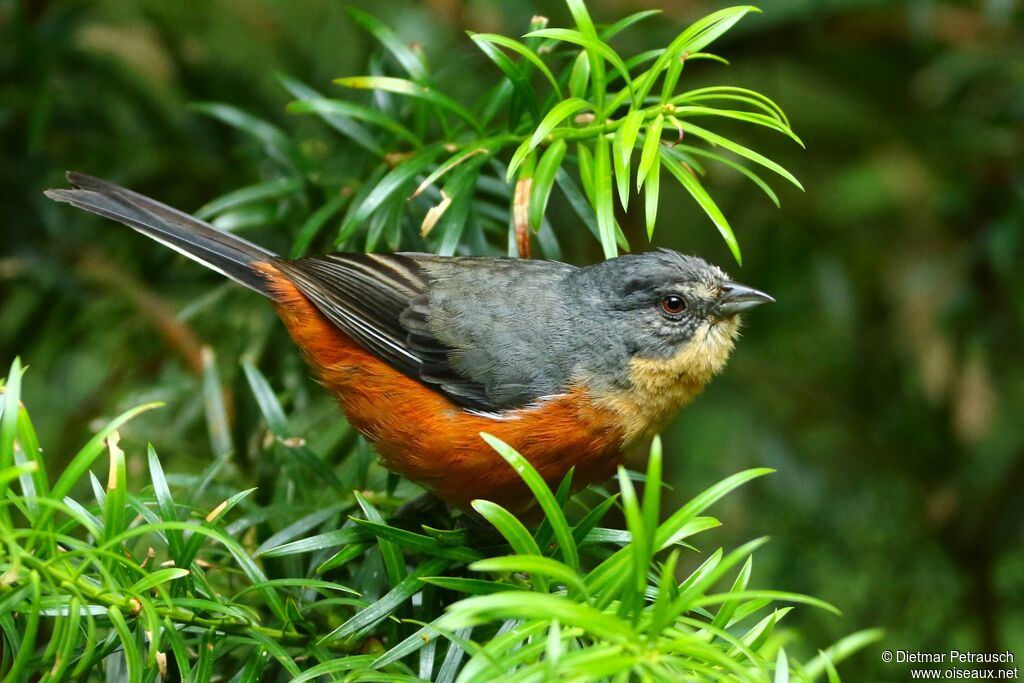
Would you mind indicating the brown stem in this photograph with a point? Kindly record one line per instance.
(520, 209)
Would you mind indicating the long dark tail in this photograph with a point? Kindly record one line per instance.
(221, 251)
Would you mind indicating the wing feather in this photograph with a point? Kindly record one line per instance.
(381, 302)
(450, 323)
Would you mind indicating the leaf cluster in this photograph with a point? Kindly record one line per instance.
(425, 171)
(139, 582)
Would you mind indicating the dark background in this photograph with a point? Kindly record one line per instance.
(886, 386)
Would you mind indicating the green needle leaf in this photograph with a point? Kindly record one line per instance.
(533, 564)
(545, 498)
(381, 609)
(579, 77)
(272, 189)
(841, 650)
(603, 201)
(133, 657)
(516, 75)
(83, 460)
(543, 181)
(590, 43)
(558, 113)
(403, 86)
(529, 606)
(521, 50)
(409, 60)
(736, 148)
(156, 578)
(329, 109)
(343, 124)
(625, 22)
(622, 151)
(509, 526)
(652, 186)
(697, 191)
(754, 177)
(388, 187)
(9, 418)
(390, 552)
(649, 155)
(695, 38)
(277, 145)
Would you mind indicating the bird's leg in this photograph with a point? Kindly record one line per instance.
(479, 531)
(427, 508)
(416, 510)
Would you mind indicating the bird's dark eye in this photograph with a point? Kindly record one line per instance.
(673, 304)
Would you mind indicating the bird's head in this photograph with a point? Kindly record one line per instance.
(667, 305)
(677, 319)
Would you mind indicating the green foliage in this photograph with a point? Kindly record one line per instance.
(431, 173)
(143, 578)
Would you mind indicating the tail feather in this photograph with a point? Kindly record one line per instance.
(221, 251)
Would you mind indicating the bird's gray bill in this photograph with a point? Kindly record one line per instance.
(736, 298)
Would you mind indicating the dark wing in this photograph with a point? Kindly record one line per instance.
(381, 302)
(436, 368)
(364, 296)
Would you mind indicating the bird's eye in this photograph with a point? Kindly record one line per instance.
(673, 304)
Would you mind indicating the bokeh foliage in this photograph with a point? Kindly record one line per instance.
(884, 386)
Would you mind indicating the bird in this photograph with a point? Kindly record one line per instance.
(570, 366)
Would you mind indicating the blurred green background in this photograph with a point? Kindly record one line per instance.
(886, 386)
